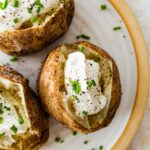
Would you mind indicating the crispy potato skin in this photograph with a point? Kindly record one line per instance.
(39, 132)
(48, 86)
(22, 42)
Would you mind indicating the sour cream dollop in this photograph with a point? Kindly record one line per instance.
(82, 85)
(13, 13)
(10, 122)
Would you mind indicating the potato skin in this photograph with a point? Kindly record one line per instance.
(26, 41)
(48, 86)
(39, 132)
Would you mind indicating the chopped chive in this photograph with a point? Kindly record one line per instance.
(1, 120)
(116, 28)
(4, 5)
(33, 19)
(16, 3)
(75, 86)
(103, 7)
(16, 20)
(38, 3)
(29, 10)
(7, 108)
(2, 134)
(83, 36)
(97, 59)
(38, 9)
(62, 141)
(81, 48)
(74, 133)
(14, 58)
(93, 82)
(1, 5)
(1, 108)
(70, 80)
(85, 113)
(90, 84)
(101, 147)
(1, 111)
(57, 139)
(85, 142)
(20, 120)
(75, 97)
(14, 129)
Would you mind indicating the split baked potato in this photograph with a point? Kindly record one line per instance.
(53, 90)
(28, 26)
(23, 123)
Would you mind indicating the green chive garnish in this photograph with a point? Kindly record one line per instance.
(14, 129)
(29, 10)
(38, 9)
(16, 20)
(4, 5)
(85, 113)
(16, 3)
(75, 97)
(20, 120)
(33, 19)
(85, 142)
(103, 7)
(57, 139)
(81, 48)
(90, 84)
(1, 108)
(37, 2)
(75, 86)
(74, 133)
(93, 82)
(62, 141)
(7, 108)
(97, 59)
(1, 120)
(83, 36)
(14, 58)
(116, 28)
(2, 134)
(101, 147)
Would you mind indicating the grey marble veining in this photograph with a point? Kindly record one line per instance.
(141, 10)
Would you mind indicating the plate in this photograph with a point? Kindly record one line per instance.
(128, 49)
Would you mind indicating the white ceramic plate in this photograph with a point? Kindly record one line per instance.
(89, 19)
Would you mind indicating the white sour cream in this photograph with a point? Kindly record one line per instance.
(9, 118)
(11, 18)
(86, 74)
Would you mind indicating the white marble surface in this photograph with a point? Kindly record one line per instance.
(141, 9)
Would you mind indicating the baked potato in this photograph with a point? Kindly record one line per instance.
(79, 85)
(23, 123)
(28, 26)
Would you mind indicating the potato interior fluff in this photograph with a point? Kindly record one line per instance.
(14, 119)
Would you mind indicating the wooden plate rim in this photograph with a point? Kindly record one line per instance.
(143, 75)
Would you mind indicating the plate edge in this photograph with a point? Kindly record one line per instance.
(142, 92)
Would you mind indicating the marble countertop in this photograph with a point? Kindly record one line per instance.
(141, 10)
